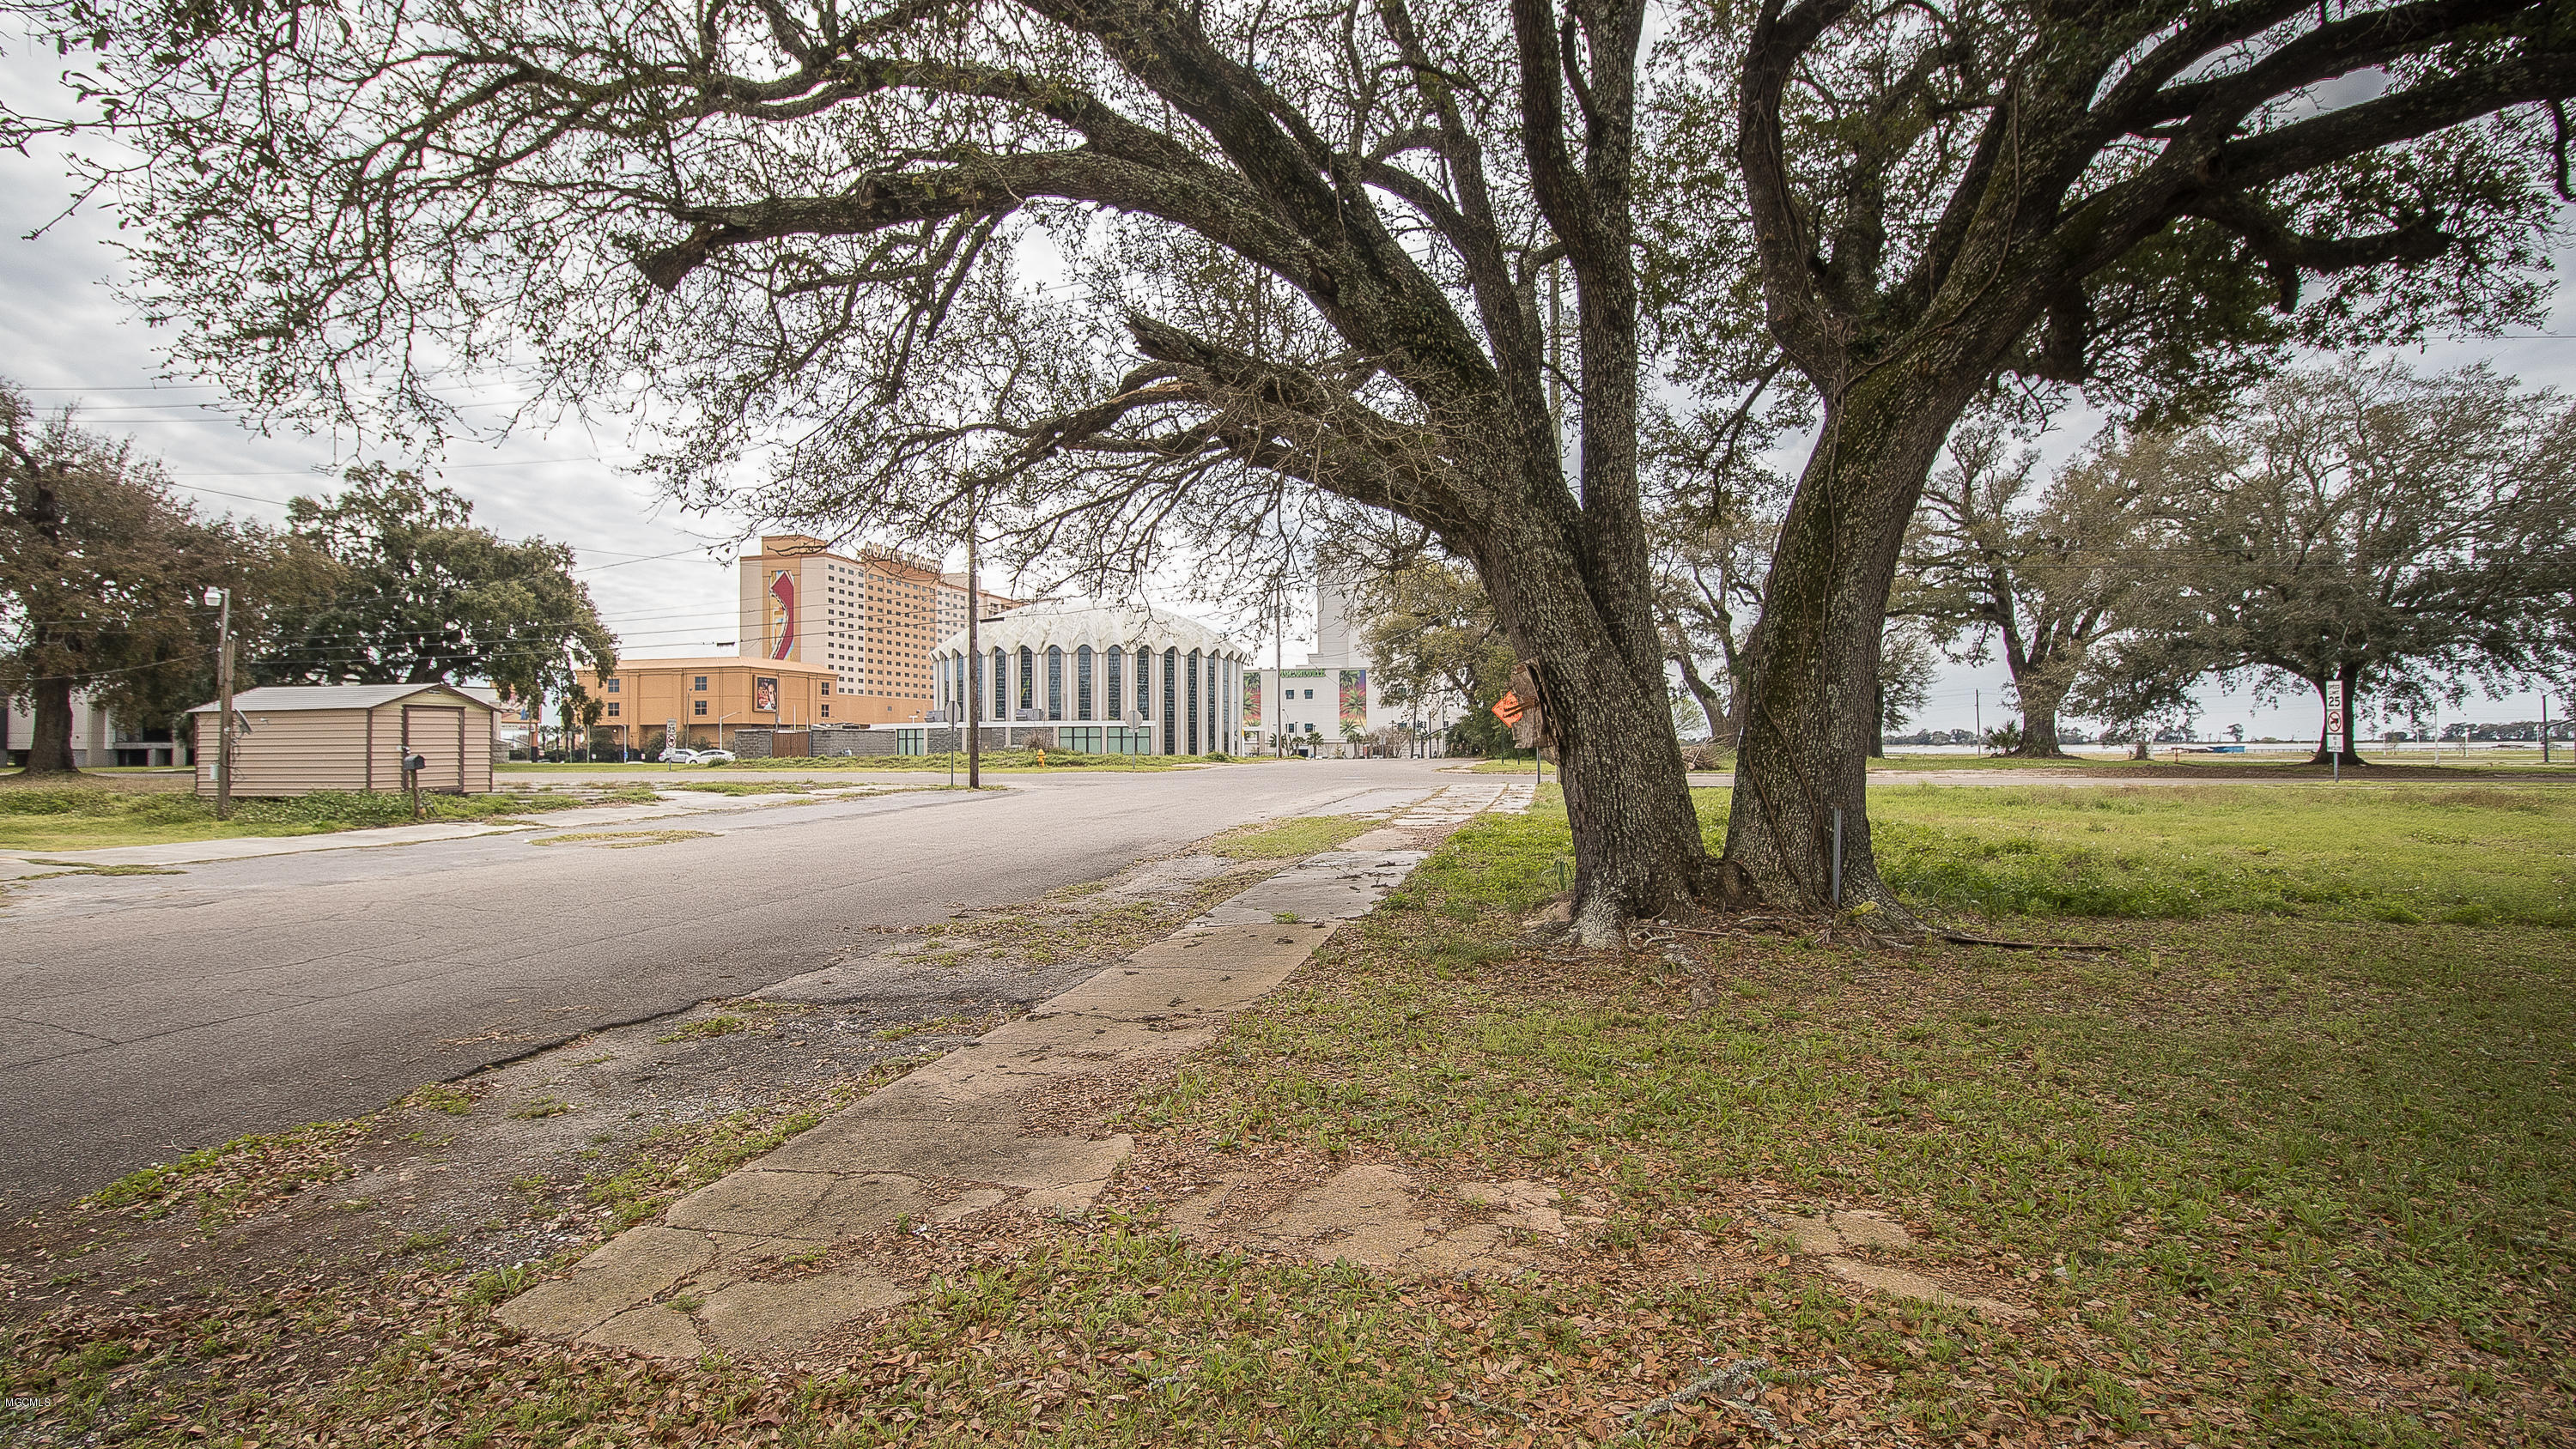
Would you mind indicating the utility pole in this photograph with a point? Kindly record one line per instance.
(1278, 674)
(2544, 727)
(974, 659)
(224, 706)
(1977, 702)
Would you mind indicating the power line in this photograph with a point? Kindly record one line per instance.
(194, 611)
(534, 538)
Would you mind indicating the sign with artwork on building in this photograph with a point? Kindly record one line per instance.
(1354, 699)
(782, 614)
(764, 694)
(1251, 698)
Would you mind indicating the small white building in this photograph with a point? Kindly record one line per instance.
(1111, 679)
(1334, 693)
(99, 738)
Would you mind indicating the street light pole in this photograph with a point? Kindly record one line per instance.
(1279, 673)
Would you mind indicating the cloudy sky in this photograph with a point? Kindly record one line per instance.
(663, 579)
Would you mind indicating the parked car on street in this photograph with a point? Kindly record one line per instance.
(677, 757)
(714, 757)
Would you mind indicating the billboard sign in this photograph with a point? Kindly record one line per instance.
(1252, 699)
(764, 694)
(1354, 699)
(782, 614)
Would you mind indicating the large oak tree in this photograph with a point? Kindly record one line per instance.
(417, 592)
(844, 240)
(2143, 201)
(1323, 232)
(2399, 534)
(103, 572)
(2042, 574)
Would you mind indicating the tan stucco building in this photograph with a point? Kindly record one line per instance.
(871, 622)
(712, 698)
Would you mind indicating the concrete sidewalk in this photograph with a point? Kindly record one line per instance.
(950, 1140)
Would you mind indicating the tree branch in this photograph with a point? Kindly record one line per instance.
(2286, 254)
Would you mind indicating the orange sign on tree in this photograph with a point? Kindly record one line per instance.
(1508, 708)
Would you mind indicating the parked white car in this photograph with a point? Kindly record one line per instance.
(679, 757)
(714, 757)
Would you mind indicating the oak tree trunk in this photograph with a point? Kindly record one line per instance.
(1811, 706)
(49, 734)
(1598, 671)
(1709, 704)
(2038, 721)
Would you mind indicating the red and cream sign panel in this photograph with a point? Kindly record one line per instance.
(776, 592)
(782, 614)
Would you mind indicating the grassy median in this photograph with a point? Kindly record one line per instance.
(87, 814)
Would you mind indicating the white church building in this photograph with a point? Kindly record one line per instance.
(1108, 679)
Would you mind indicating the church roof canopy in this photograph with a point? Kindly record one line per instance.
(1102, 626)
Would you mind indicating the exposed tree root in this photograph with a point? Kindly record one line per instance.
(1961, 938)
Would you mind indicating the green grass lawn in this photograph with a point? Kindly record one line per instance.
(2272, 1171)
(2471, 854)
(86, 815)
(2280, 1166)
(1292, 838)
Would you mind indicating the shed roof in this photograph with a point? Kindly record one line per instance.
(283, 698)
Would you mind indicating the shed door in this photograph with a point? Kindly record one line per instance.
(436, 733)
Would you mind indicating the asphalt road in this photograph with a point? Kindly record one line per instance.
(148, 1015)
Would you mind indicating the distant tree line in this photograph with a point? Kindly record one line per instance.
(106, 576)
(2409, 535)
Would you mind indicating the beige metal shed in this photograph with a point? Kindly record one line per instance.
(296, 739)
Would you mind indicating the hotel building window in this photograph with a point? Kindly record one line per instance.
(612, 686)
(698, 682)
(697, 706)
